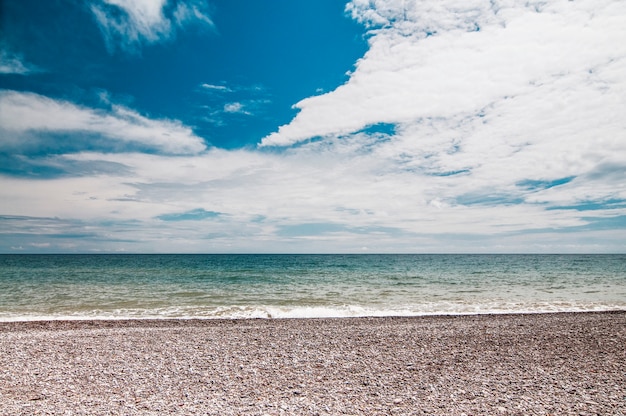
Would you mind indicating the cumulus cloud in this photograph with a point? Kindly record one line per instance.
(427, 17)
(474, 117)
(27, 118)
(129, 24)
(454, 59)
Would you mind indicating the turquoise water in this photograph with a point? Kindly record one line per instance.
(281, 286)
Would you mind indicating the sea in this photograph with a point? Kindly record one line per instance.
(238, 286)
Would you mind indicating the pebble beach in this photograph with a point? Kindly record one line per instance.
(524, 364)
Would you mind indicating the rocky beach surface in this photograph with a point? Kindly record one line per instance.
(536, 364)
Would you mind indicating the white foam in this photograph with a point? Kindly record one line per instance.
(341, 311)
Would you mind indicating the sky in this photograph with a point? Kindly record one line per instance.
(326, 126)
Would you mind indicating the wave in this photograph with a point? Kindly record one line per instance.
(291, 312)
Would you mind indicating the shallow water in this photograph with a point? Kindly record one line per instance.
(245, 286)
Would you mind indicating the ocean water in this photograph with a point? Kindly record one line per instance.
(283, 286)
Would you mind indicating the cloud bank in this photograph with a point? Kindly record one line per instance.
(332, 196)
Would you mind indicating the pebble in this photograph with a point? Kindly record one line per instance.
(533, 364)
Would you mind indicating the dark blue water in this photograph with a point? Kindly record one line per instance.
(240, 286)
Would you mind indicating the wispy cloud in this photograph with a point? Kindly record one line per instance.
(192, 11)
(235, 107)
(224, 101)
(15, 64)
(213, 87)
(27, 119)
(129, 24)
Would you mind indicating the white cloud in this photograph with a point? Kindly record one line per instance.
(235, 107)
(429, 61)
(193, 11)
(507, 117)
(507, 138)
(225, 101)
(26, 117)
(276, 202)
(425, 17)
(40, 245)
(213, 87)
(132, 23)
(15, 64)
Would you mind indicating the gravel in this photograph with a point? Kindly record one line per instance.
(538, 364)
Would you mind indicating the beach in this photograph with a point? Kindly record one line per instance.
(555, 363)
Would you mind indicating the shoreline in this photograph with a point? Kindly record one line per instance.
(538, 363)
(128, 318)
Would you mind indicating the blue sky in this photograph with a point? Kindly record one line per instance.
(321, 126)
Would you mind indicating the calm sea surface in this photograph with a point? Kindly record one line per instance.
(277, 286)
